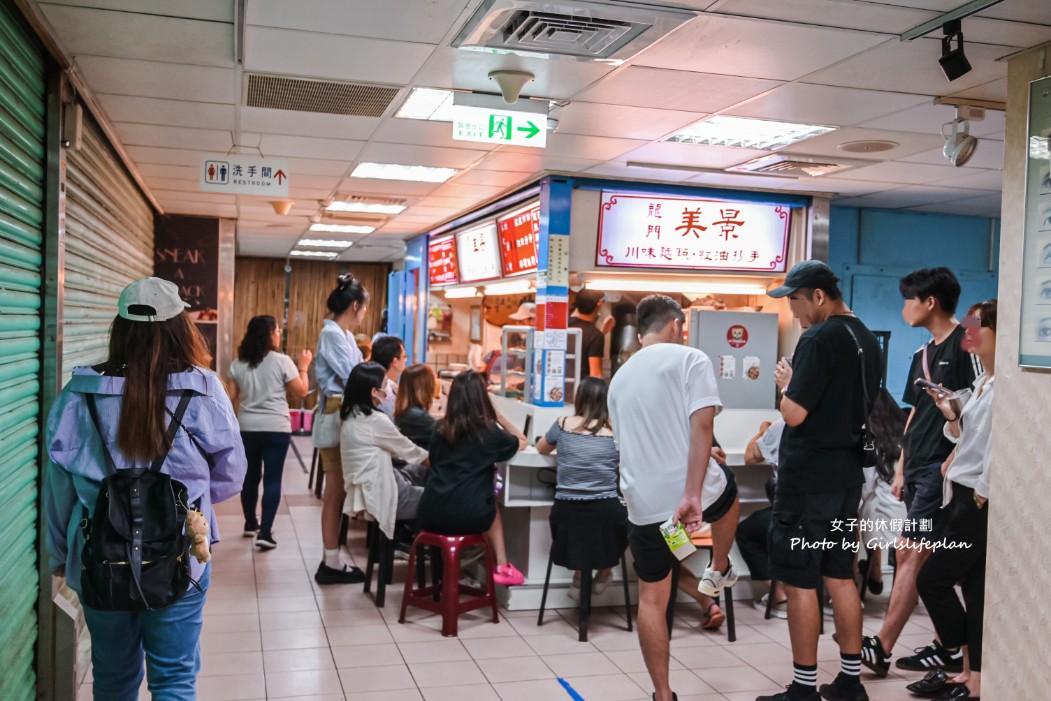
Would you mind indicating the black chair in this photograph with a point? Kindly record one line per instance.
(731, 626)
(584, 606)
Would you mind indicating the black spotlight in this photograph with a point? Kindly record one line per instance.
(954, 64)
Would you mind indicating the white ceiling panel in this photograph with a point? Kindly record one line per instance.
(332, 126)
(178, 196)
(157, 170)
(423, 133)
(909, 143)
(693, 155)
(929, 118)
(675, 89)
(810, 104)
(755, 48)
(287, 52)
(912, 67)
(1003, 33)
(986, 206)
(391, 188)
(989, 155)
(175, 113)
(874, 17)
(615, 169)
(735, 180)
(1033, 11)
(401, 20)
(191, 9)
(939, 6)
(826, 186)
(97, 32)
(621, 121)
(316, 166)
(170, 81)
(533, 162)
(977, 179)
(300, 194)
(488, 177)
(902, 173)
(995, 91)
(271, 145)
(914, 196)
(174, 137)
(406, 155)
(478, 192)
(315, 182)
(202, 209)
(166, 156)
(167, 184)
(469, 70)
(584, 147)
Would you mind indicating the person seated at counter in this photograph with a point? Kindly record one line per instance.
(459, 497)
(412, 406)
(589, 523)
(389, 351)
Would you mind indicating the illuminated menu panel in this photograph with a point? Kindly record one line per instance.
(478, 253)
(441, 261)
(694, 234)
(519, 235)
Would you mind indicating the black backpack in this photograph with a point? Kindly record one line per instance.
(136, 552)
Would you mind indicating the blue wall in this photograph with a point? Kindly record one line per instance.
(871, 249)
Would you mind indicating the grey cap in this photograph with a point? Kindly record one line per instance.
(150, 299)
(526, 310)
(809, 273)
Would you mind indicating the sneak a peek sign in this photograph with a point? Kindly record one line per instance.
(637, 230)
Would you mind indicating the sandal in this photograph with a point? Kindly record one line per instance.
(714, 619)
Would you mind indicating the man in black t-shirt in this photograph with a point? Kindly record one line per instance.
(592, 341)
(813, 531)
(930, 298)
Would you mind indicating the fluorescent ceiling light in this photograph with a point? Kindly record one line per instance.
(461, 292)
(428, 103)
(325, 243)
(684, 286)
(343, 228)
(365, 207)
(739, 132)
(390, 171)
(511, 287)
(314, 254)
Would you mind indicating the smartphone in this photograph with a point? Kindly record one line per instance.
(788, 360)
(927, 384)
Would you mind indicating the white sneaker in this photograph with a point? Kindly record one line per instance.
(778, 610)
(574, 590)
(599, 584)
(713, 583)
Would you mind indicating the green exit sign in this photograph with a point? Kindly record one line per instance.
(499, 126)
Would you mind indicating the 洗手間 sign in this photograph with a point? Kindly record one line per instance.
(441, 261)
(519, 233)
(637, 230)
(244, 175)
(478, 254)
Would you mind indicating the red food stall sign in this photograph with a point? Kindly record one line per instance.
(519, 234)
(441, 261)
(638, 230)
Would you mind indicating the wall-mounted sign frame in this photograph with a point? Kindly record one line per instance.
(1034, 327)
(638, 230)
(478, 253)
(519, 234)
(441, 261)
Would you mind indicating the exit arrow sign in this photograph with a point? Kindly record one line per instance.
(499, 126)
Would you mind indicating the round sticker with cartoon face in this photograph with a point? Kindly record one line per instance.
(737, 336)
(555, 394)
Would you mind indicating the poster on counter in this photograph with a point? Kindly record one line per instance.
(649, 231)
(1034, 342)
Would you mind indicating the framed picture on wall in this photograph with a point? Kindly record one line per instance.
(476, 325)
(1034, 328)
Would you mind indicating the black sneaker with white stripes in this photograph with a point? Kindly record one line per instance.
(873, 656)
(934, 656)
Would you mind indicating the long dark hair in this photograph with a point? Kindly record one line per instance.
(146, 353)
(887, 422)
(590, 403)
(348, 291)
(468, 412)
(257, 341)
(357, 396)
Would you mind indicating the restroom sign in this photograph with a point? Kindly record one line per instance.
(244, 175)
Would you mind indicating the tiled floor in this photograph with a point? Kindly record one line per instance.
(271, 633)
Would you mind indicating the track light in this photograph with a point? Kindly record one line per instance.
(959, 144)
(954, 64)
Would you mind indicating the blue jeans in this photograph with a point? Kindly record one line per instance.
(168, 639)
(266, 451)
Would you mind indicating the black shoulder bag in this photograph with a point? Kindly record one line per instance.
(869, 458)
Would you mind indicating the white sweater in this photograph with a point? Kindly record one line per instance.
(970, 467)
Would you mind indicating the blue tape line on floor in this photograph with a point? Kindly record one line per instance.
(570, 690)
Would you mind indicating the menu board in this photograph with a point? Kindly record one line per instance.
(478, 253)
(638, 230)
(1034, 328)
(441, 261)
(519, 234)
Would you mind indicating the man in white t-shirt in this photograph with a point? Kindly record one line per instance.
(662, 404)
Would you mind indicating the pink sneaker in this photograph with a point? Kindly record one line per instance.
(508, 575)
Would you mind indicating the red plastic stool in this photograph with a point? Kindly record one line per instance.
(444, 597)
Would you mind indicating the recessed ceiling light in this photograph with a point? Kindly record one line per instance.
(871, 146)
(365, 207)
(739, 132)
(325, 243)
(427, 103)
(343, 228)
(390, 171)
(313, 254)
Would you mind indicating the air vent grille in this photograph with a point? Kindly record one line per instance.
(787, 166)
(373, 199)
(546, 32)
(323, 96)
(799, 168)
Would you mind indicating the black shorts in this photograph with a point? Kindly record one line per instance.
(923, 499)
(814, 536)
(653, 559)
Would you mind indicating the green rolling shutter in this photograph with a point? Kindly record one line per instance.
(22, 164)
(109, 243)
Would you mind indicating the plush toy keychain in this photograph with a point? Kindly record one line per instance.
(197, 529)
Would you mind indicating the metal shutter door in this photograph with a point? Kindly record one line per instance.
(22, 162)
(109, 243)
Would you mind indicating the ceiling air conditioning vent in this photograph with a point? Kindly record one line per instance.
(792, 166)
(279, 92)
(614, 30)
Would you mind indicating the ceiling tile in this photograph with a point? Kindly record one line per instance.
(584, 147)
(929, 118)
(316, 166)
(693, 155)
(755, 48)
(391, 188)
(176, 113)
(1033, 11)
(899, 198)
(872, 17)
(157, 170)
(286, 52)
(166, 156)
(988, 155)
(533, 162)
(488, 177)
(902, 173)
(821, 104)
(675, 89)
(830, 186)
(194, 9)
(978, 179)
(616, 169)
(433, 156)
(395, 130)
(986, 206)
(739, 182)
(400, 20)
(170, 81)
(995, 91)
(1004, 33)
(138, 35)
(622, 121)
(307, 147)
(293, 123)
(828, 144)
(174, 137)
